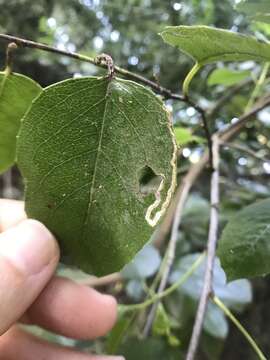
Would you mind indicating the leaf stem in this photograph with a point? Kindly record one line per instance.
(259, 84)
(189, 77)
(168, 291)
(230, 315)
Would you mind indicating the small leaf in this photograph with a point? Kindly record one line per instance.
(227, 77)
(244, 248)
(16, 94)
(83, 149)
(207, 44)
(144, 265)
(215, 322)
(184, 136)
(235, 294)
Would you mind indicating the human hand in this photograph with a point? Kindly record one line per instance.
(31, 294)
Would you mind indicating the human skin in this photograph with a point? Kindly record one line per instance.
(31, 293)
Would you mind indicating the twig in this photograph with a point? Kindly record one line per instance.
(211, 251)
(95, 61)
(102, 281)
(212, 112)
(233, 319)
(207, 132)
(241, 148)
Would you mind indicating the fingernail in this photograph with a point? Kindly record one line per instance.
(29, 246)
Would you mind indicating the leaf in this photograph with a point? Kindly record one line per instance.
(258, 10)
(207, 44)
(244, 248)
(16, 94)
(144, 265)
(215, 322)
(227, 77)
(152, 348)
(235, 294)
(184, 136)
(83, 149)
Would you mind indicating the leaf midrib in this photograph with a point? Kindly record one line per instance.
(92, 186)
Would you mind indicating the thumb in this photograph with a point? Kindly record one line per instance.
(28, 258)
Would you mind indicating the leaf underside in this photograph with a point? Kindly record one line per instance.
(82, 149)
(16, 94)
(244, 248)
(207, 44)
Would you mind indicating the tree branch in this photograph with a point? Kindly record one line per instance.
(167, 93)
(211, 253)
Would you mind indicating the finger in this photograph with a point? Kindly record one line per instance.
(29, 347)
(28, 258)
(11, 213)
(73, 310)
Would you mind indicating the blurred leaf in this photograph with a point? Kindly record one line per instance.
(16, 94)
(184, 136)
(226, 77)
(72, 273)
(207, 44)
(244, 248)
(149, 349)
(215, 322)
(135, 289)
(144, 265)
(235, 294)
(118, 332)
(161, 325)
(91, 138)
(258, 10)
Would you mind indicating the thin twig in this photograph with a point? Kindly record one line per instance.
(207, 132)
(233, 319)
(211, 253)
(102, 281)
(213, 111)
(245, 149)
(167, 93)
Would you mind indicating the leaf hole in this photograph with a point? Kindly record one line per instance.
(149, 181)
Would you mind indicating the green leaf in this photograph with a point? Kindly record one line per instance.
(244, 248)
(227, 77)
(257, 10)
(207, 44)
(184, 136)
(149, 349)
(83, 149)
(16, 94)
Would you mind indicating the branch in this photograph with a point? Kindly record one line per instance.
(95, 61)
(207, 132)
(175, 211)
(246, 150)
(211, 253)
